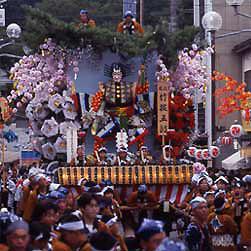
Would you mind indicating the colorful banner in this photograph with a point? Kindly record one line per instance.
(163, 109)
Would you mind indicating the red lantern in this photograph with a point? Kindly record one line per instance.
(214, 151)
(191, 152)
(226, 140)
(236, 131)
(205, 154)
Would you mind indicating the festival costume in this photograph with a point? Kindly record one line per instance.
(134, 27)
(4, 247)
(30, 205)
(197, 237)
(223, 231)
(246, 230)
(58, 245)
(91, 24)
(149, 198)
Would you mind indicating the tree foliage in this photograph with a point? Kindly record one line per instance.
(41, 25)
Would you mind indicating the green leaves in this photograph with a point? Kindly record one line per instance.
(41, 25)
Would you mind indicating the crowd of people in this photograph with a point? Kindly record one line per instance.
(38, 214)
(128, 26)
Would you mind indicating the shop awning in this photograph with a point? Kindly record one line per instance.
(231, 163)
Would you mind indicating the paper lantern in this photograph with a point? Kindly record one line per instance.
(236, 131)
(198, 154)
(191, 152)
(214, 151)
(226, 140)
(205, 154)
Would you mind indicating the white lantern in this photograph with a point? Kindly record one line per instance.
(234, 2)
(212, 21)
(236, 130)
(13, 30)
(214, 151)
(191, 152)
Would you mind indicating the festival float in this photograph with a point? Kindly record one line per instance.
(122, 112)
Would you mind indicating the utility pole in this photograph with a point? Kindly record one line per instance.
(196, 11)
(141, 12)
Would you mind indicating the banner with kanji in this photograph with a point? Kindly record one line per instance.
(163, 109)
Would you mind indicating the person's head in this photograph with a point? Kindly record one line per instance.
(122, 152)
(88, 204)
(72, 231)
(203, 184)
(108, 192)
(128, 17)
(17, 235)
(84, 17)
(41, 180)
(103, 241)
(209, 196)
(46, 213)
(199, 209)
(150, 234)
(238, 191)
(142, 190)
(14, 172)
(102, 153)
(221, 183)
(169, 245)
(82, 182)
(219, 204)
(247, 181)
(39, 235)
(144, 150)
(70, 200)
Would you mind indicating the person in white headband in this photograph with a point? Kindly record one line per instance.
(73, 234)
(197, 201)
(196, 235)
(221, 183)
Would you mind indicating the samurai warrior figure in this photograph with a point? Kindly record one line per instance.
(118, 106)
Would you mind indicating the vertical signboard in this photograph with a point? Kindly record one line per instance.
(72, 144)
(130, 5)
(2, 17)
(163, 108)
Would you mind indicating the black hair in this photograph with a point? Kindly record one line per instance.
(37, 228)
(109, 190)
(125, 69)
(42, 208)
(85, 199)
(69, 218)
(102, 241)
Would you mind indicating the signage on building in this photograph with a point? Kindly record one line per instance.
(72, 144)
(130, 5)
(163, 108)
(2, 17)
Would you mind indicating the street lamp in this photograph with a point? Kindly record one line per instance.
(13, 31)
(211, 22)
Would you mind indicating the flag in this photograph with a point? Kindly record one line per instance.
(29, 157)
